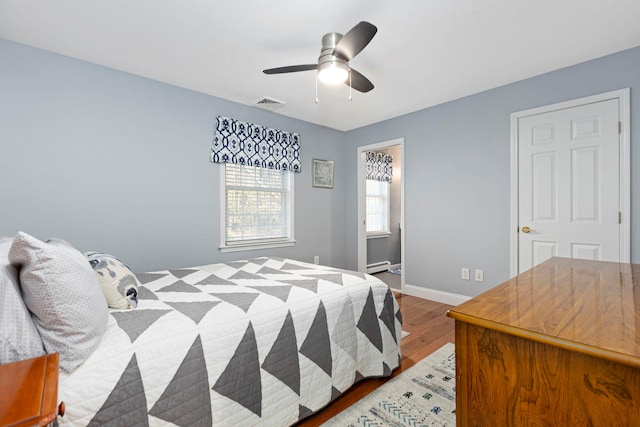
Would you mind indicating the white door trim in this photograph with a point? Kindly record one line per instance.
(623, 96)
(362, 230)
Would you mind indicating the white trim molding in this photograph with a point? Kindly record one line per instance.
(379, 235)
(436, 295)
(256, 246)
(624, 103)
(361, 181)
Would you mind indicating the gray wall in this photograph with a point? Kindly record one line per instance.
(457, 172)
(117, 163)
(388, 248)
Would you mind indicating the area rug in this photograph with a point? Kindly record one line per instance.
(423, 395)
(405, 334)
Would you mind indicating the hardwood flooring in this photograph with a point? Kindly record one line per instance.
(430, 329)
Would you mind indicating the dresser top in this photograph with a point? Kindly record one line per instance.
(592, 307)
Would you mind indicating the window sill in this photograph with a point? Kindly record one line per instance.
(379, 235)
(255, 246)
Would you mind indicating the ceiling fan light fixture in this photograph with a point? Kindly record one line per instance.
(333, 63)
(333, 72)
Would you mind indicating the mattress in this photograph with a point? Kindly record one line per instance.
(262, 342)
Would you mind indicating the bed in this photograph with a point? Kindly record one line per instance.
(266, 341)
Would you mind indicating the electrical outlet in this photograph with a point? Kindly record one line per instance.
(465, 273)
(479, 276)
(316, 259)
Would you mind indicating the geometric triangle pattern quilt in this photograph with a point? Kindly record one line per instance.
(260, 342)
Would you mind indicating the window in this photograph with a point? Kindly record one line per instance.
(377, 207)
(257, 208)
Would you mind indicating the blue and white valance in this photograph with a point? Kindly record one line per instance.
(252, 145)
(379, 166)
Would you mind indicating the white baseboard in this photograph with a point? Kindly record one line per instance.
(395, 266)
(434, 295)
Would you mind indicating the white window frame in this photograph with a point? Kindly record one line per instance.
(387, 231)
(254, 244)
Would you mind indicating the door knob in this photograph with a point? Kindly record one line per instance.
(527, 230)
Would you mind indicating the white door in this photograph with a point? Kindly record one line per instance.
(568, 184)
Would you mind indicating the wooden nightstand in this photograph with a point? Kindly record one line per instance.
(29, 392)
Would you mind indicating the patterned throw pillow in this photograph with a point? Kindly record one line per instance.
(119, 284)
(63, 295)
(19, 338)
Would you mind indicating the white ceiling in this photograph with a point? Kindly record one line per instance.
(426, 52)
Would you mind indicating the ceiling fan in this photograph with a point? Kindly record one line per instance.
(337, 51)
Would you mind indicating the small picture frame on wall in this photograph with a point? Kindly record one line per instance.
(322, 173)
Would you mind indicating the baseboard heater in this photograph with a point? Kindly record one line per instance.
(377, 267)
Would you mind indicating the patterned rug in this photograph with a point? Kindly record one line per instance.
(423, 395)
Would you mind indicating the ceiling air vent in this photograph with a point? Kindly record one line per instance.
(268, 103)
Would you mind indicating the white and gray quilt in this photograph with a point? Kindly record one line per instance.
(261, 342)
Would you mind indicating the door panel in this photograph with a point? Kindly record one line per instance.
(582, 251)
(544, 186)
(585, 192)
(568, 184)
(543, 250)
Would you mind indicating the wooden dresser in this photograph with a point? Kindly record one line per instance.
(29, 392)
(558, 345)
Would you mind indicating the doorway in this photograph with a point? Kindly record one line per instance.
(369, 243)
(571, 181)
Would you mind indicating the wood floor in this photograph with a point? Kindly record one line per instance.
(430, 329)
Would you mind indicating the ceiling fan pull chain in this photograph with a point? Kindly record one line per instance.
(350, 97)
(316, 88)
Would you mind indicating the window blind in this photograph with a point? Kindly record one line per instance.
(377, 206)
(257, 205)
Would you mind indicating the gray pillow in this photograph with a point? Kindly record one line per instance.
(59, 242)
(63, 294)
(19, 338)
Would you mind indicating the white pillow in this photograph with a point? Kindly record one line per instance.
(119, 284)
(5, 245)
(63, 294)
(19, 338)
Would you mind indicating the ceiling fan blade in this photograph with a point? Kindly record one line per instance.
(291, 69)
(355, 40)
(359, 82)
